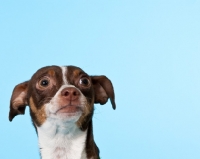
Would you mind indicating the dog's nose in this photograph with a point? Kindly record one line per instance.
(70, 93)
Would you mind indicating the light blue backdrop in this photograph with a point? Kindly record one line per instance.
(149, 49)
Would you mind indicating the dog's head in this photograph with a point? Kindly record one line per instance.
(61, 93)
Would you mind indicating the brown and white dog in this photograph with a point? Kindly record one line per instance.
(61, 101)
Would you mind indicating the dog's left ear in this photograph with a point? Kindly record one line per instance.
(103, 90)
(18, 101)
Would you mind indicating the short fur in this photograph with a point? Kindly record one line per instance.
(61, 101)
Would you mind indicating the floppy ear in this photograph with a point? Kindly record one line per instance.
(103, 90)
(18, 101)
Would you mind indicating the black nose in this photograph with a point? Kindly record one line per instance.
(70, 93)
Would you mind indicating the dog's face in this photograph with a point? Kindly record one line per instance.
(61, 93)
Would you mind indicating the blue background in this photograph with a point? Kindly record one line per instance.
(149, 49)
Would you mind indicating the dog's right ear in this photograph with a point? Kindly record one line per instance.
(18, 101)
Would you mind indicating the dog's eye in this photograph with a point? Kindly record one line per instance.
(44, 82)
(84, 82)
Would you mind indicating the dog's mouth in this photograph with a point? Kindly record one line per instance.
(69, 109)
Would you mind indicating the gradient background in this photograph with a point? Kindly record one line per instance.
(149, 49)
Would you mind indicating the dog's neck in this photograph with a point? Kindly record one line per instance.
(61, 141)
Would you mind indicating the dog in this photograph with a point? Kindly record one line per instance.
(61, 102)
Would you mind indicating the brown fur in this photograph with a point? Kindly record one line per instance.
(38, 115)
(35, 95)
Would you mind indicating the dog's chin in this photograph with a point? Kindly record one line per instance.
(69, 109)
(68, 113)
(67, 116)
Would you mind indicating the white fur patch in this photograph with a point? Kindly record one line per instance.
(60, 140)
(64, 72)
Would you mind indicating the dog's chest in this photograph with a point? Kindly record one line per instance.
(62, 145)
(66, 149)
